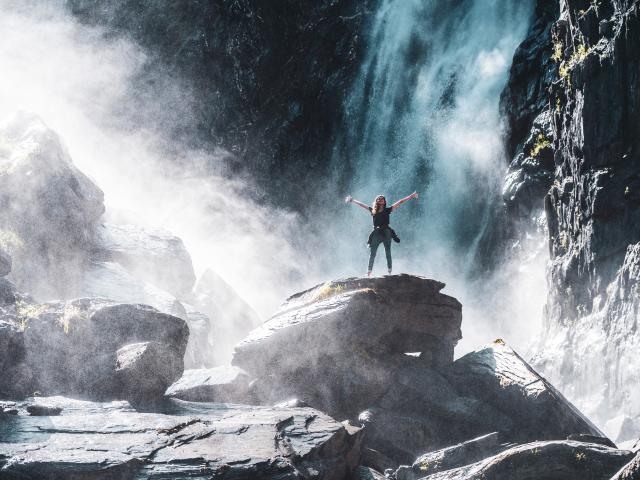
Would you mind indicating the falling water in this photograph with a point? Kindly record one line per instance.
(423, 115)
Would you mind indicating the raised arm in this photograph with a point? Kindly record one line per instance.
(350, 199)
(402, 200)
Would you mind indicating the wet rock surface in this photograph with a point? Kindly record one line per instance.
(588, 157)
(83, 347)
(185, 440)
(338, 344)
(544, 461)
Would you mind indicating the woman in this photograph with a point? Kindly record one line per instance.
(381, 233)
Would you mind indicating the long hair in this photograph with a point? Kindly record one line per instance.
(375, 207)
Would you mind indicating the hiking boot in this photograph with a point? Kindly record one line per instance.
(395, 237)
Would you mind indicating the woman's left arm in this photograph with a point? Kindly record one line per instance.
(402, 200)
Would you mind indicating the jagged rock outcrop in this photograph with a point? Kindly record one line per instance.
(338, 344)
(489, 390)
(200, 441)
(84, 347)
(630, 471)
(49, 209)
(591, 207)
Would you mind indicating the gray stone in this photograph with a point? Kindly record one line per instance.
(631, 471)
(400, 313)
(367, 473)
(219, 384)
(231, 317)
(184, 440)
(43, 410)
(71, 347)
(50, 209)
(551, 460)
(145, 370)
(501, 378)
(155, 256)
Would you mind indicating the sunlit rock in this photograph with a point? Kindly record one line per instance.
(49, 209)
(231, 317)
(219, 384)
(184, 440)
(400, 313)
(72, 347)
(501, 378)
(145, 370)
(156, 256)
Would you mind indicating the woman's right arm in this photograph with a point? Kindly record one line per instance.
(350, 199)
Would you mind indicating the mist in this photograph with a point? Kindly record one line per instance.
(433, 128)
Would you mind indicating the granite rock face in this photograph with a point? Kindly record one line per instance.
(185, 440)
(219, 384)
(590, 98)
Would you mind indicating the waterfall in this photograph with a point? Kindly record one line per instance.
(423, 115)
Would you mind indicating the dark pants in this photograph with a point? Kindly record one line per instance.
(379, 236)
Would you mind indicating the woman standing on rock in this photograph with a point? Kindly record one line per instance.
(382, 232)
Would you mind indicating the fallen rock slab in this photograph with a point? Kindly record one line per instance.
(219, 384)
(399, 313)
(497, 375)
(551, 460)
(185, 440)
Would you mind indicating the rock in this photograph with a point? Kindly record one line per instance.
(367, 473)
(219, 384)
(5, 263)
(452, 457)
(12, 353)
(49, 209)
(231, 317)
(111, 280)
(549, 460)
(584, 438)
(155, 256)
(501, 378)
(376, 460)
(43, 411)
(145, 370)
(631, 471)
(71, 347)
(184, 440)
(399, 313)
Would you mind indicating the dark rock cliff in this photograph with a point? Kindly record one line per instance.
(572, 112)
(269, 78)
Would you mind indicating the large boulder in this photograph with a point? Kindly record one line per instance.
(199, 441)
(551, 460)
(497, 375)
(49, 209)
(75, 347)
(400, 313)
(631, 471)
(156, 256)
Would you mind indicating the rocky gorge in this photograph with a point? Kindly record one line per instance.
(353, 378)
(122, 358)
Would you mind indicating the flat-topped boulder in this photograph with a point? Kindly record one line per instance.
(184, 440)
(219, 384)
(399, 313)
